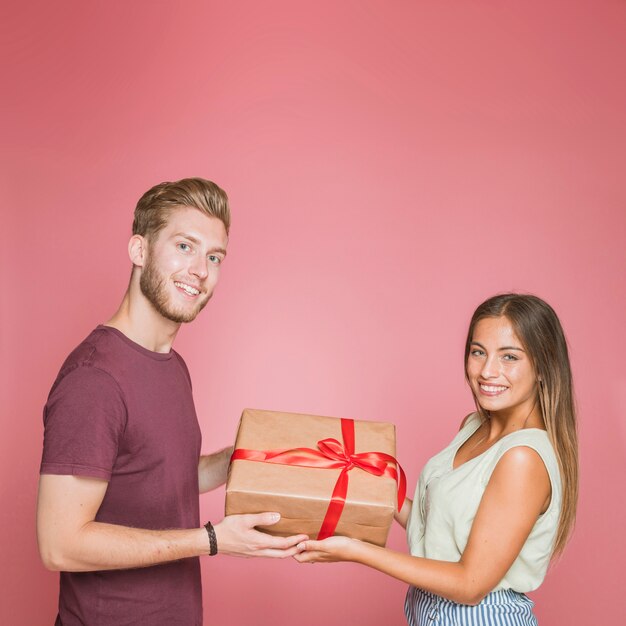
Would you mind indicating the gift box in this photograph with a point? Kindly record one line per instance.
(324, 475)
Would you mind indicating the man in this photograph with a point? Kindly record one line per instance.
(118, 510)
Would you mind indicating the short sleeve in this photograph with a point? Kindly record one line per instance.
(84, 419)
(538, 441)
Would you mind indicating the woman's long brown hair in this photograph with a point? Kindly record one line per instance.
(538, 328)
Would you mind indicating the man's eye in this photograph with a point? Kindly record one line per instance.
(214, 259)
(184, 247)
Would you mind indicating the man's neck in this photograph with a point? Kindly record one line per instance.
(140, 322)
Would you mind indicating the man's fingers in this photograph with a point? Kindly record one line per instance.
(262, 519)
(280, 554)
(266, 541)
(238, 536)
(311, 545)
(287, 542)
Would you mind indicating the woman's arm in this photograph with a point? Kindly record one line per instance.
(517, 493)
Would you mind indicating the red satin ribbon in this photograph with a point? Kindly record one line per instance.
(331, 454)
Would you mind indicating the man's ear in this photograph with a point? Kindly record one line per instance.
(138, 250)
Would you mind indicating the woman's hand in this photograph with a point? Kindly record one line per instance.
(329, 550)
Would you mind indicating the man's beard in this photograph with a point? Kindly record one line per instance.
(153, 287)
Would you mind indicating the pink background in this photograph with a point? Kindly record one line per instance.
(390, 165)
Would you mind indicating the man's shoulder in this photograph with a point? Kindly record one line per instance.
(85, 379)
(96, 354)
(179, 359)
(89, 351)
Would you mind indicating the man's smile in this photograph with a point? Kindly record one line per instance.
(187, 289)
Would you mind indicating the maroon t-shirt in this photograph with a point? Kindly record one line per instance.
(125, 414)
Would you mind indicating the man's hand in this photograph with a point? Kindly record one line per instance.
(237, 536)
(402, 516)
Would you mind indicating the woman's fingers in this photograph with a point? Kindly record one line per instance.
(308, 557)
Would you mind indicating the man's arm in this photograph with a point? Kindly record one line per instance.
(402, 516)
(71, 540)
(213, 469)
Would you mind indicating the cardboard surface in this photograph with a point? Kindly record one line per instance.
(301, 494)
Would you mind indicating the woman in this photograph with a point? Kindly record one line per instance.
(499, 502)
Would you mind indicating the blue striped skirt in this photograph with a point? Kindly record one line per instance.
(500, 608)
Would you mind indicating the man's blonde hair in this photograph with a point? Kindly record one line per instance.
(155, 205)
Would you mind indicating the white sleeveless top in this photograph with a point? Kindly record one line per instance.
(446, 502)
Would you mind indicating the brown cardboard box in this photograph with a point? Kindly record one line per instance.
(302, 494)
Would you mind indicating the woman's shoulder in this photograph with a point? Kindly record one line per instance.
(535, 439)
(531, 437)
(472, 420)
(442, 460)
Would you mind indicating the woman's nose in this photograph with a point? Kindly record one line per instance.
(490, 367)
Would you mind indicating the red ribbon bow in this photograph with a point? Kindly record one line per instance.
(331, 454)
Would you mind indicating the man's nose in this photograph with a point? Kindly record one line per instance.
(199, 267)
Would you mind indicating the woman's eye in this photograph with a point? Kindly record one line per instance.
(510, 357)
(477, 353)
